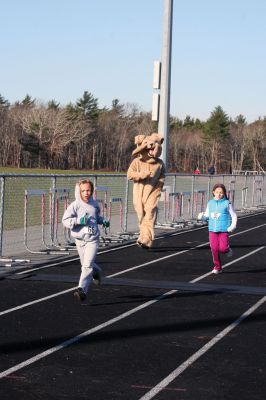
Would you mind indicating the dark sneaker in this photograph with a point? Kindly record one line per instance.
(217, 270)
(80, 294)
(97, 277)
(229, 253)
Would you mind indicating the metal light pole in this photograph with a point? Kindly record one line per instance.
(164, 111)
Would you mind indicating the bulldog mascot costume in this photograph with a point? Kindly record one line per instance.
(147, 171)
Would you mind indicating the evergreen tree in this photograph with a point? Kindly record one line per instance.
(216, 134)
(175, 122)
(53, 105)
(28, 101)
(240, 120)
(117, 107)
(4, 104)
(198, 124)
(188, 122)
(88, 106)
(217, 126)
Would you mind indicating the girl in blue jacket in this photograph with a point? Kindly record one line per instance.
(222, 220)
(82, 218)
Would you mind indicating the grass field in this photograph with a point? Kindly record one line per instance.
(11, 170)
(20, 180)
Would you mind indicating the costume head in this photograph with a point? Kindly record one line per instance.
(148, 147)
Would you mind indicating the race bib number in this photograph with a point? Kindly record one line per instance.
(215, 215)
(91, 230)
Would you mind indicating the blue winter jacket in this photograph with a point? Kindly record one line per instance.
(218, 215)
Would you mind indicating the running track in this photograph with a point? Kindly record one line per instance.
(160, 327)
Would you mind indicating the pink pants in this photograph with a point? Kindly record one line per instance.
(219, 242)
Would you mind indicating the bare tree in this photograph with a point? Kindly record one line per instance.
(256, 139)
(53, 129)
(185, 149)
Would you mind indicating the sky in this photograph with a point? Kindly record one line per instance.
(57, 49)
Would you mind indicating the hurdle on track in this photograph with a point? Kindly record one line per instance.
(177, 209)
(115, 237)
(103, 201)
(257, 197)
(158, 222)
(7, 261)
(231, 191)
(244, 196)
(103, 206)
(59, 196)
(199, 201)
(120, 236)
(231, 196)
(39, 193)
(173, 210)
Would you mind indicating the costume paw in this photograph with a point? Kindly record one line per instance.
(143, 245)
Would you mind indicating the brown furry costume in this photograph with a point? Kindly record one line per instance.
(147, 172)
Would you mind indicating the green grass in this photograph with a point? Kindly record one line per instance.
(15, 186)
(11, 170)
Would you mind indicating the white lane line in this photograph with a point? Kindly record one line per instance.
(108, 276)
(137, 267)
(182, 252)
(77, 338)
(170, 377)
(35, 301)
(101, 326)
(130, 245)
(104, 251)
(157, 260)
(230, 263)
(119, 273)
(174, 374)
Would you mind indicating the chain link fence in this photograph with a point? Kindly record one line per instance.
(32, 205)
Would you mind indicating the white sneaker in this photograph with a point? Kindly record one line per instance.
(229, 253)
(217, 270)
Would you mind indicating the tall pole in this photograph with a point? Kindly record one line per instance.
(163, 126)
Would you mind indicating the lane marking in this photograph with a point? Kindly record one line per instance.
(137, 267)
(77, 338)
(186, 286)
(131, 245)
(35, 301)
(181, 252)
(174, 374)
(230, 263)
(166, 381)
(103, 252)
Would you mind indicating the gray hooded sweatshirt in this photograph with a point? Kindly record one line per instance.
(78, 209)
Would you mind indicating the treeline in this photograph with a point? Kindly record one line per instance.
(85, 136)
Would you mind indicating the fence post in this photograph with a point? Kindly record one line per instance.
(263, 187)
(2, 214)
(209, 188)
(174, 185)
(95, 185)
(192, 197)
(253, 191)
(126, 206)
(52, 211)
